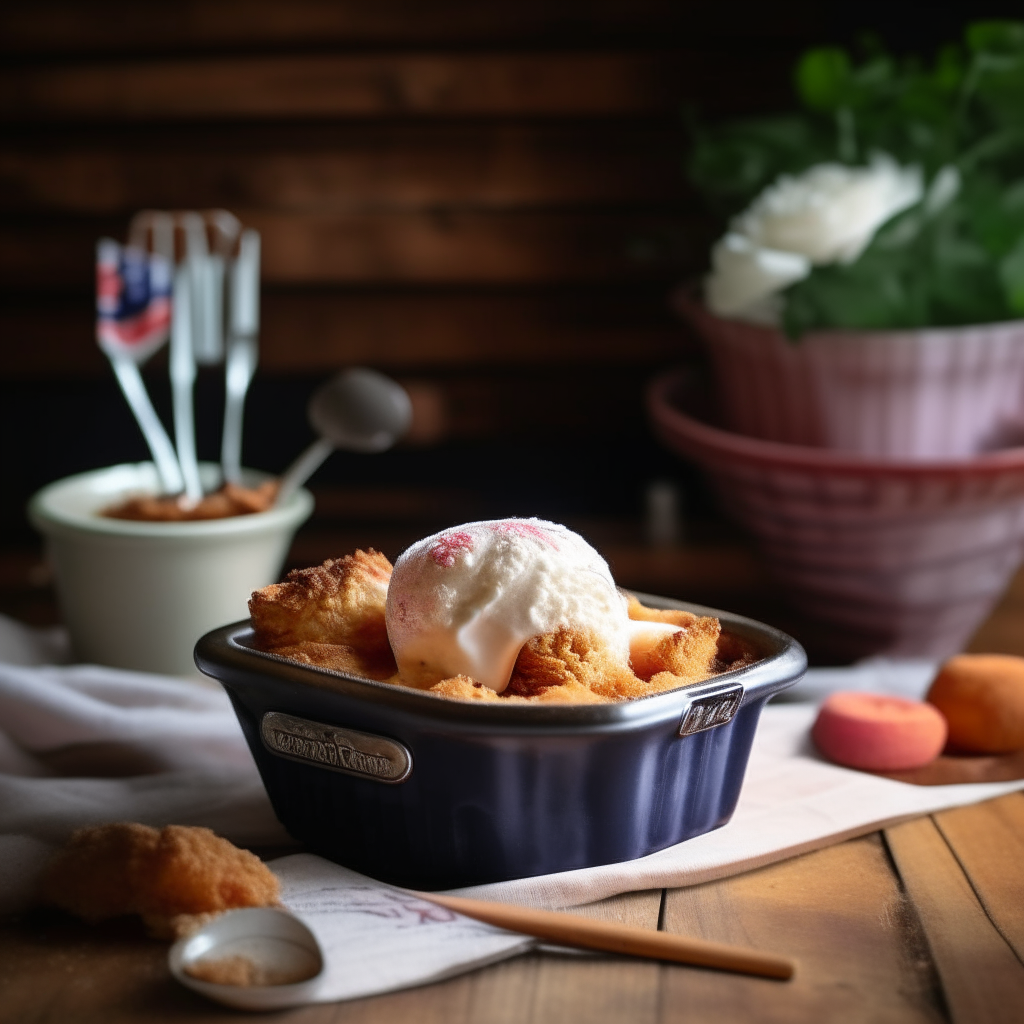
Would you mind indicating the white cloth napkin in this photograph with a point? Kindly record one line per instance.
(376, 938)
(83, 744)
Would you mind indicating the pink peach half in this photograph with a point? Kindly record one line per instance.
(878, 733)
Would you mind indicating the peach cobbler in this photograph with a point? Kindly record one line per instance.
(512, 609)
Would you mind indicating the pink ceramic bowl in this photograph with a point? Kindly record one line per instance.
(901, 558)
(928, 394)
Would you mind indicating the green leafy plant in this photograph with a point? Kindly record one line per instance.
(955, 257)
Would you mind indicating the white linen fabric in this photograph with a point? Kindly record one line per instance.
(83, 744)
(376, 938)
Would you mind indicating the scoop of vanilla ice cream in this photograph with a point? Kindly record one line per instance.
(464, 601)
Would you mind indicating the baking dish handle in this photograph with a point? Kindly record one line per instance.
(710, 705)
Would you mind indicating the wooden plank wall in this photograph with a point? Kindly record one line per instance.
(484, 199)
(479, 169)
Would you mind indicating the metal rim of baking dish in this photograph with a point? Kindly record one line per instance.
(228, 654)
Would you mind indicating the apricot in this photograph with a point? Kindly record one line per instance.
(878, 733)
(982, 697)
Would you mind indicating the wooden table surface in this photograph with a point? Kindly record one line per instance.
(921, 922)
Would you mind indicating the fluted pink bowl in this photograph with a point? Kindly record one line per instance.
(904, 558)
(927, 394)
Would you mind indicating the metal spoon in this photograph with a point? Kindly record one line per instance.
(242, 349)
(127, 350)
(359, 410)
(183, 379)
(271, 940)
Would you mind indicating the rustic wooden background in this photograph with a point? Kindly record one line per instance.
(485, 200)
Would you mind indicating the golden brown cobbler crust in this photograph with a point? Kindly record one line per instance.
(332, 616)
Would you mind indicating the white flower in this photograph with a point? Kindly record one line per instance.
(745, 278)
(828, 214)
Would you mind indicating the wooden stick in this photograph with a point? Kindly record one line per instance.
(584, 932)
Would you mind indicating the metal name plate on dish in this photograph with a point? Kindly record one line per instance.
(340, 750)
(711, 706)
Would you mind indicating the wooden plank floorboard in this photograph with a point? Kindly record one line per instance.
(599, 988)
(445, 1003)
(53, 970)
(988, 841)
(369, 165)
(441, 247)
(982, 979)
(535, 989)
(606, 81)
(314, 85)
(316, 330)
(68, 27)
(838, 912)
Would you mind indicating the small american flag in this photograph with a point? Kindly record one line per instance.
(133, 300)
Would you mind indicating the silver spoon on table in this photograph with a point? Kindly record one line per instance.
(358, 410)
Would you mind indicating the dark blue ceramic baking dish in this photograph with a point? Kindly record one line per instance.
(431, 793)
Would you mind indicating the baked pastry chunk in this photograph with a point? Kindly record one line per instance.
(175, 878)
(333, 617)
